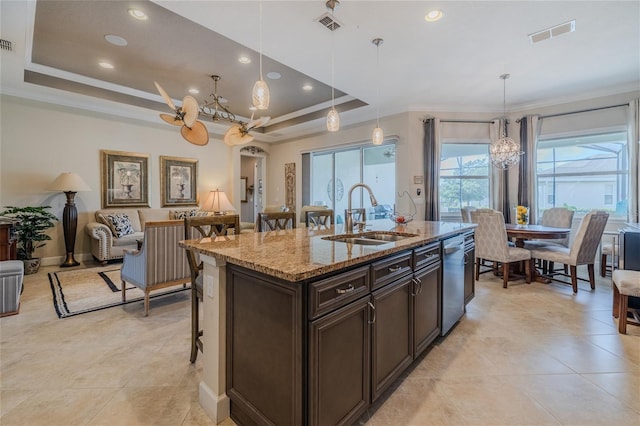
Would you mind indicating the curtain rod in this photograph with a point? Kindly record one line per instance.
(582, 110)
(468, 121)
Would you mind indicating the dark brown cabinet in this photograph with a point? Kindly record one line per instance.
(426, 301)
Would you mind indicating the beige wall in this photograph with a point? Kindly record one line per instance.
(38, 141)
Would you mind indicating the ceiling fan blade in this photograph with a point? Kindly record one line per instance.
(166, 97)
(258, 123)
(190, 110)
(196, 134)
(236, 136)
(172, 119)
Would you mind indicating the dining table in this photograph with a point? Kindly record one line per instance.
(520, 233)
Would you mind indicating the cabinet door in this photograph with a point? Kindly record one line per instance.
(392, 333)
(339, 363)
(426, 301)
(469, 276)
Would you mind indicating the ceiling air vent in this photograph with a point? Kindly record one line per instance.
(5, 45)
(558, 30)
(329, 22)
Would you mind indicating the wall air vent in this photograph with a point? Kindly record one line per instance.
(5, 45)
(329, 22)
(553, 32)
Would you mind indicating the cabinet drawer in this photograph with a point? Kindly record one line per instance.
(390, 269)
(425, 256)
(332, 293)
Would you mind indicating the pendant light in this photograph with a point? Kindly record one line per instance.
(333, 119)
(260, 93)
(378, 134)
(505, 152)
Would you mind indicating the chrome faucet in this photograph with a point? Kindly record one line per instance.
(348, 221)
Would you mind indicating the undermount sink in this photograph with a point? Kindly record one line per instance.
(373, 238)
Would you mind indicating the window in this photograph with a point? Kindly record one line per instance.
(584, 172)
(464, 178)
(333, 173)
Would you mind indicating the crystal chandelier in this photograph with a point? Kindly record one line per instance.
(505, 152)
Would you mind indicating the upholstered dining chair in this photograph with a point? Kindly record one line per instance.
(319, 218)
(583, 248)
(465, 212)
(199, 228)
(275, 221)
(492, 244)
(609, 247)
(159, 263)
(557, 217)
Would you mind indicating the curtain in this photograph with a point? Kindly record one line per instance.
(500, 199)
(634, 168)
(527, 168)
(431, 150)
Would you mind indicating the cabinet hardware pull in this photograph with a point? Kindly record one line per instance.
(349, 289)
(466, 258)
(419, 282)
(373, 308)
(395, 268)
(413, 291)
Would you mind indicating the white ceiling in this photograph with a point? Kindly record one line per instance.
(451, 65)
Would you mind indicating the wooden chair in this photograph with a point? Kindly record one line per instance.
(305, 209)
(159, 263)
(492, 244)
(276, 221)
(625, 284)
(319, 218)
(198, 228)
(582, 250)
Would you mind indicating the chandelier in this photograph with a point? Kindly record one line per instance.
(504, 152)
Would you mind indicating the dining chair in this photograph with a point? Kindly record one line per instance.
(492, 244)
(275, 221)
(199, 228)
(609, 247)
(557, 217)
(319, 218)
(581, 252)
(465, 212)
(307, 208)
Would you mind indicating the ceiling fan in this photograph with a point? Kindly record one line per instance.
(195, 131)
(192, 130)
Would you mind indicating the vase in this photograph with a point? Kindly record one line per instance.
(521, 215)
(31, 266)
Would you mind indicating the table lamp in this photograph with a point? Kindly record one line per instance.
(217, 202)
(69, 183)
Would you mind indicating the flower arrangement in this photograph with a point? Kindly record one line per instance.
(522, 215)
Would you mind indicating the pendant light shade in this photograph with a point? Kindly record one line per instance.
(378, 135)
(260, 93)
(333, 120)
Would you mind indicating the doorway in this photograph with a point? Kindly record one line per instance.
(252, 168)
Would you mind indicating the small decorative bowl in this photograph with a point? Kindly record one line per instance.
(401, 219)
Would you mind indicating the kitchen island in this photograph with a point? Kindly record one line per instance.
(303, 328)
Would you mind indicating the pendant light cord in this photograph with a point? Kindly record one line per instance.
(260, 26)
(333, 28)
(378, 84)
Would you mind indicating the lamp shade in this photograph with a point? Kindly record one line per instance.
(378, 136)
(69, 182)
(333, 120)
(217, 202)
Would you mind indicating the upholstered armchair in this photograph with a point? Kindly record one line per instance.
(159, 263)
(582, 250)
(492, 244)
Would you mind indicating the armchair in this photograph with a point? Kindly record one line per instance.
(159, 263)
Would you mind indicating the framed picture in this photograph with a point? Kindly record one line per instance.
(243, 189)
(125, 179)
(178, 181)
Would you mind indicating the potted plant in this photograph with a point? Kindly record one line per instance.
(29, 230)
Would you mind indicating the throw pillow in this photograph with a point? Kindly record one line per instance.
(181, 214)
(120, 224)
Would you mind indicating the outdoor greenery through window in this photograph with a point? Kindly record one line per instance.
(464, 177)
(583, 173)
(332, 173)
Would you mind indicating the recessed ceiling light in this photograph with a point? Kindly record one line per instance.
(244, 59)
(106, 65)
(433, 16)
(115, 40)
(138, 14)
(307, 87)
(274, 75)
(194, 91)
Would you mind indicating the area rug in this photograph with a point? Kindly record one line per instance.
(80, 291)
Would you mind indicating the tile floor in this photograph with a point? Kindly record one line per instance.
(529, 354)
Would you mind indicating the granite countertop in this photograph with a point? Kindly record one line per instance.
(302, 253)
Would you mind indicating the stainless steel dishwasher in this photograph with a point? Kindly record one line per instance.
(452, 282)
